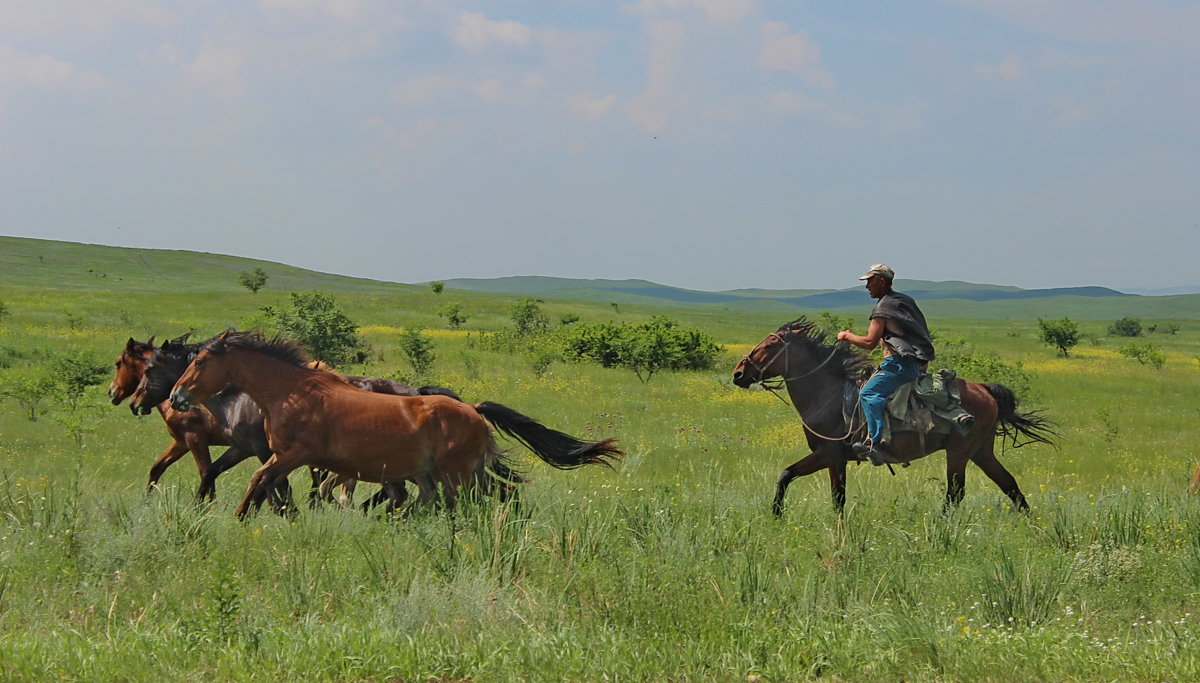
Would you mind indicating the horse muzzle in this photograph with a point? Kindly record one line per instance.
(744, 378)
(181, 399)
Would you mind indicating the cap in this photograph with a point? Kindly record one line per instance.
(881, 270)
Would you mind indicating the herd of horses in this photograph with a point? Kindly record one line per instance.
(264, 398)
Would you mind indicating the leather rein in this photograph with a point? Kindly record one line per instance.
(773, 385)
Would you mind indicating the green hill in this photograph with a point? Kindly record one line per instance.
(69, 266)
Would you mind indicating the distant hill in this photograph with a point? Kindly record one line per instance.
(627, 290)
(55, 265)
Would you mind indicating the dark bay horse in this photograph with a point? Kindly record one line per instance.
(816, 375)
(315, 419)
(239, 418)
(193, 432)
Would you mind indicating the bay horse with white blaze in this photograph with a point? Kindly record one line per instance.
(315, 419)
(816, 375)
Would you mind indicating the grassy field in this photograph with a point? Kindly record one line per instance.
(670, 567)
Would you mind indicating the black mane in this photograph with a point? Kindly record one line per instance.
(277, 347)
(806, 331)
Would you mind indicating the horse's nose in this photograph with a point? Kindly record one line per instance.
(180, 399)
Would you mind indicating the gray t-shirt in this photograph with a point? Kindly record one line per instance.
(906, 332)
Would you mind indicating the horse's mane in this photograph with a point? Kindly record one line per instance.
(277, 347)
(806, 331)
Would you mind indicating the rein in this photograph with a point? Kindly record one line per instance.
(774, 386)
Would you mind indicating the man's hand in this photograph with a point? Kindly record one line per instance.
(844, 335)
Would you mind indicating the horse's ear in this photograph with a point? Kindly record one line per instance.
(150, 341)
(182, 339)
(226, 333)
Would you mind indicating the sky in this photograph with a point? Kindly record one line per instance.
(706, 144)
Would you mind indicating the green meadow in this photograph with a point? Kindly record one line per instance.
(671, 566)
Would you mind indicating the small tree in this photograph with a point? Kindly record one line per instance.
(1126, 327)
(74, 373)
(1061, 334)
(1144, 353)
(568, 319)
(453, 313)
(437, 287)
(418, 349)
(528, 317)
(315, 320)
(253, 280)
(28, 388)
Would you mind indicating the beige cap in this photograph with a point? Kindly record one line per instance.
(882, 270)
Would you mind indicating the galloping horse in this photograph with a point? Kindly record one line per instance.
(315, 419)
(192, 432)
(817, 374)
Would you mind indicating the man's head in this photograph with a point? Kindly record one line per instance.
(879, 279)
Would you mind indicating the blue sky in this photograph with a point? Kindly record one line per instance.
(709, 144)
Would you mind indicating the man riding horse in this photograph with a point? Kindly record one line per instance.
(907, 349)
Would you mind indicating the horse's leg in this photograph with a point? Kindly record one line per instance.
(837, 484)
(316, 493)
(818, 460)
(956, 476)
(208, 481)
(1194, 487)
(985, 457)
(175, 451)
(255, 492)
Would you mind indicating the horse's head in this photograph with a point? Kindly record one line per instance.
(208, 373)
(765, 361)
(162, 370)
(129, 368)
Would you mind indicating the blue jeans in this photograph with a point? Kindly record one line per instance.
(894, 372)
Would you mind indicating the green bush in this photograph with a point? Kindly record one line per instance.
(315, 320)
(453, 313)
(253, 280)
(646, 348)
(1144, 353)
(528, 317)
(1061, 334)
(1126, 327)
(418, 349)
(960, 356)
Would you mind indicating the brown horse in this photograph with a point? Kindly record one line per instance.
(817, 376)
(315, 419)
(191, 432)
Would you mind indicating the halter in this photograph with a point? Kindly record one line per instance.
(775, 385)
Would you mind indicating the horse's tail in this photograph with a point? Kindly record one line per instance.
(433, 390)
(557, 449)
(1013, 425)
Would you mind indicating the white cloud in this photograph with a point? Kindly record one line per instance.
(423, 89)
(218, 69)
(786, 103)
(591, 106)
(1010, 69)
(650, 109)
(20, 68)
(718, 11)
(491, 90)
(794, 52)
(309, 10)
(49, 18)
(475, 32)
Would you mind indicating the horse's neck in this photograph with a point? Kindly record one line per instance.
(270, 382)
(817, 396)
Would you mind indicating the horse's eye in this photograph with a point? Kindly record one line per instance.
(199, 363)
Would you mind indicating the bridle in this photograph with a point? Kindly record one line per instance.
(774, 385)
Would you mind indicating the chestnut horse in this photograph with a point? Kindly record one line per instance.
(315, 419)
(192, 432)
(816, 375)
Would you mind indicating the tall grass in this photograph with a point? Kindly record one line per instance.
(671, 567)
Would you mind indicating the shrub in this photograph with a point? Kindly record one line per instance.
(28, 387)
(453, 313)
(528, 317)
(1144, 353)
(646, 348)
(418, 349)
(1061, 334)
(437, 287)
(1126, 327)
(315, 320)
(958, 355)
(253, 280)
(71, 374)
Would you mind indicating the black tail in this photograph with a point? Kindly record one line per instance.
(557, 449)
(432, 390)
(1013, 425)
